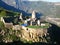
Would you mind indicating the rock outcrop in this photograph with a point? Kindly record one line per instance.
(34, 35)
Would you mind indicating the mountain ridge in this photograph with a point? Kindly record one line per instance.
(46, 8)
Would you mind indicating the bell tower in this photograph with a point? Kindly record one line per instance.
(33, 15)
(20, 16)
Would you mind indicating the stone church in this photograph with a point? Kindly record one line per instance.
(32, 21)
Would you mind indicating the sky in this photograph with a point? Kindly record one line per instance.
(45, 0)
(52, 0)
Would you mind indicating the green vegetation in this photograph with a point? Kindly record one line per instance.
(34, 26)
(8, 34)
(1, 25)
(4, 12)
(47, 25)
(38, 26)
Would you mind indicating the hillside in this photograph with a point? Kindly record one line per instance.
(4, 12)
(58, 10)
(46, 8)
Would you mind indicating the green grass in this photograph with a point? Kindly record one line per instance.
(47, 26)
(38, 27)
(34, 26)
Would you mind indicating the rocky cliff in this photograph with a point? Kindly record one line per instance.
(34, 35)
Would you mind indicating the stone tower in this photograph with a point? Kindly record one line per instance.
(33, 15)
(20, 16)
(33, 18)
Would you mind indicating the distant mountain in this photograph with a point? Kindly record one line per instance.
(57, 3)
(46, 8)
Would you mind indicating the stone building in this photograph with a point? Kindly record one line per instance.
(16, 27)
(7, 24)
(33, 18)
(20, 16)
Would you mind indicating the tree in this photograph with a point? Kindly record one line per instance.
(1, 25)
(3, 13)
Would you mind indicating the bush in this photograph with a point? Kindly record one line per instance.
(3, 13)
(1, 25)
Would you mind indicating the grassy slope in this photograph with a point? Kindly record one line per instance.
(4, 12)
